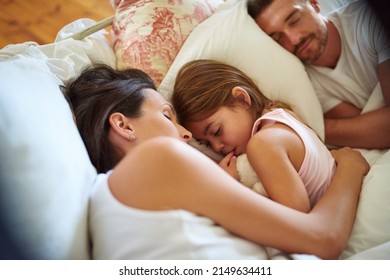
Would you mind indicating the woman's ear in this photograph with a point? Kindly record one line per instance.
(241, 95)
(122, 126)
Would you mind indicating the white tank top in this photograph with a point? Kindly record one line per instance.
(122, 232)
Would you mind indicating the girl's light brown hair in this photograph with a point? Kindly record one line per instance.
(203, 86)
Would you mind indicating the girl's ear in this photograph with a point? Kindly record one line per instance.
(122, 126)
(241, 95)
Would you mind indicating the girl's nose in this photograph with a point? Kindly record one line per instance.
(217, 146)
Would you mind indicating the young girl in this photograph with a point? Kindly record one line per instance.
(223, 108)
(159, 198)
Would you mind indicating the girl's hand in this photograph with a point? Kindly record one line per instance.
(229, 164)
(352, 158)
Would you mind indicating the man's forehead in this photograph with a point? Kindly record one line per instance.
(277, 13)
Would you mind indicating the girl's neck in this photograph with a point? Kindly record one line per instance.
(265, 111)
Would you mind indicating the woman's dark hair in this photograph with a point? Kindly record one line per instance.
(97, 93)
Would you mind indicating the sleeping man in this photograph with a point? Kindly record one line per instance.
(347, 57)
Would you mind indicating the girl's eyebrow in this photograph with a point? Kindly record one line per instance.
(207, 128)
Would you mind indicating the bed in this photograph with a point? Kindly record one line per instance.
(45, 171)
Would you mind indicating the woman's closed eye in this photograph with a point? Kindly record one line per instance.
(168, 116)
(169, 112)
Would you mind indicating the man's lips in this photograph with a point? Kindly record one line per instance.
(304, 45)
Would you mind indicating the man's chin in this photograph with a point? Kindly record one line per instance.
(308, 60)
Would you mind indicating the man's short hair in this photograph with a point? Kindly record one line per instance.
(255, 7)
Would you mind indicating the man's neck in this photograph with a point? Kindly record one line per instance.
(332, 52)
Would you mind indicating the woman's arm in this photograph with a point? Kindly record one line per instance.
(164, 173)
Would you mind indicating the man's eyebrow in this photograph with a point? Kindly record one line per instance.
(290, 15)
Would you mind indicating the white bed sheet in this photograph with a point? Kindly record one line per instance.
(66, 58)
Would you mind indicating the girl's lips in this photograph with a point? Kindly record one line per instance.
(234, 151)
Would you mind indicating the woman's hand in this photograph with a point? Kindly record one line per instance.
(352, 158)
(229, 164)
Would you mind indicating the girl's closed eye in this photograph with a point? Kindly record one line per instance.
(218, 132)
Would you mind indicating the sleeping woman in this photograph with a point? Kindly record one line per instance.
(158, 198)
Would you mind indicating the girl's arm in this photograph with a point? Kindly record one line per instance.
(276, 153)
(165, 173)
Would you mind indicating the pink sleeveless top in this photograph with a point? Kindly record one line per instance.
(318, 165)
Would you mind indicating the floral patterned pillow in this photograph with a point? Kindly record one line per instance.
(148, 34)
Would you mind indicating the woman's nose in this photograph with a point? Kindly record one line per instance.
(185, 134)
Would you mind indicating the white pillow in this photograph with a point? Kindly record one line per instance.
(45, 171)
(233, 37)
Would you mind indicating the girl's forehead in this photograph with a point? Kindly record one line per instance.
(198, 129)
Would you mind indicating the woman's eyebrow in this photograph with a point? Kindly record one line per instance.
(170, 106)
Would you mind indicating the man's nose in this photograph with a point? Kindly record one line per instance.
(293, 37)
